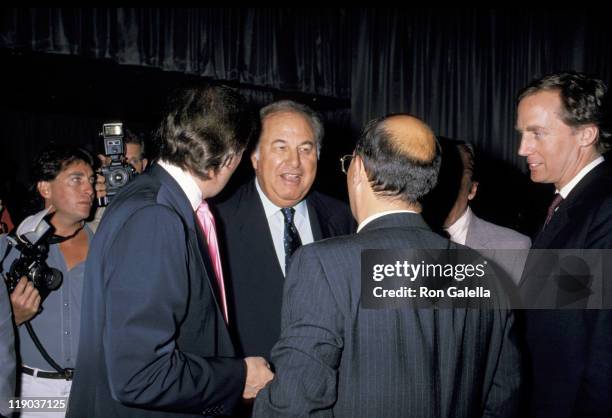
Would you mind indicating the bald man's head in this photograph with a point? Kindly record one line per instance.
(411, 137)
(400, 156)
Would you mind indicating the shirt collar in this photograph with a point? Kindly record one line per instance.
(380, 215)
(185, 181)
(460, 225)
(565, 190)
(271, 209)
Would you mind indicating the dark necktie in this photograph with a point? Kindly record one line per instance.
(291, 237)
(553, 207)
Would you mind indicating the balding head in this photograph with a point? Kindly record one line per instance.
(400, 156)
(411, 137)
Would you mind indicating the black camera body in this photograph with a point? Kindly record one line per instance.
(118, 173)
(32, 264)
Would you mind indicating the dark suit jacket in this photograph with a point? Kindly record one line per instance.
(335, 358)
(153, 337)
(251, 267)
(570, 351)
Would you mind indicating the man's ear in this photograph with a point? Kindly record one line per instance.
(358, 173)
(473, 190)
(255, 158)
(44, 189)
(145, 162)
(233, 162)
(588, 135)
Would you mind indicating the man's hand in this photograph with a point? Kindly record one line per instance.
(105, 160)
(100, 186)
(25, 300)
(258, 374)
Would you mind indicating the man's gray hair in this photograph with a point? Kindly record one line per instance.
(293, 107)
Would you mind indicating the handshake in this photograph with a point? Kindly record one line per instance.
(258, 375)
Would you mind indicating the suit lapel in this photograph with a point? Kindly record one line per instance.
(580, 195)
(315, 226)
(256, 231)
(548, 234)
(173, 196)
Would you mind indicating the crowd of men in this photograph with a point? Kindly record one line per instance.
(172, 305)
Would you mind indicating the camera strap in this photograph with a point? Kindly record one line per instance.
(57, 239)
(67, 372)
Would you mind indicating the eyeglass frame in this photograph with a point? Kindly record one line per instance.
(343, 159)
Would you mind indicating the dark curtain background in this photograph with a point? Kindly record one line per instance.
(459, 70)
(304, 50)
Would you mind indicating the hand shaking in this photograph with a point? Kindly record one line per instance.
(258, 375)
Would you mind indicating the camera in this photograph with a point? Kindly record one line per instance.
(30, 241)
(118, 173)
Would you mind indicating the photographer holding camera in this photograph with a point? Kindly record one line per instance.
(133, 154)
(63, 181)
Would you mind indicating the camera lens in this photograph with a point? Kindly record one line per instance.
(118, 178)
(45, 278)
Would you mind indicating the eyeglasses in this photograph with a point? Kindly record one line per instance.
(345, 162)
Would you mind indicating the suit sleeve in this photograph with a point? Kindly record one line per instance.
(7, 352)
(593, 398)
(307, 355)
(503, 397)
(147, 293)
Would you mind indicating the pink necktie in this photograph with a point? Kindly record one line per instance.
(207, 222)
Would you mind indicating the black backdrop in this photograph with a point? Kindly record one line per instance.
(67, 70)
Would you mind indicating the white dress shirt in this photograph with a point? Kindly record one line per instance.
(380, 215)
(565, 190)
(459, 229)
(185, 181)
(276, 223)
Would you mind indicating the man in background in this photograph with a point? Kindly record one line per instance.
(134, 154)
(457, 187)
(135, 151)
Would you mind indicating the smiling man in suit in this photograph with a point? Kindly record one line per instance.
(563, 120)
(154, 337)
(265, 220)
(337, 358)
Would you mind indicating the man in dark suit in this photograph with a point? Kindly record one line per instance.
(255, 230)
(154, 339)
(563, 135)
(336, 358)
